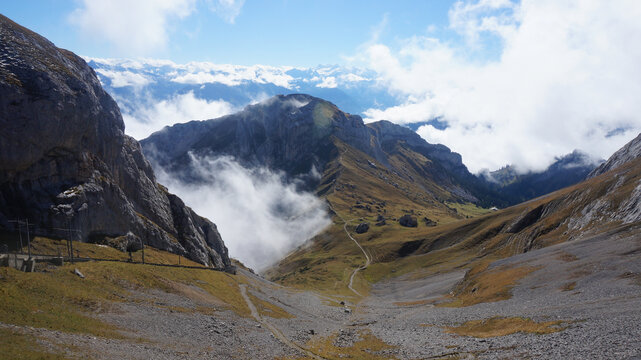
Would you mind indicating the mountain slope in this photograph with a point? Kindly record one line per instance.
(369, 171)
(608, 205)
(565, 171)
(65, 162)
(295, 133)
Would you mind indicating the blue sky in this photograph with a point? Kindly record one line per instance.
(277, 32)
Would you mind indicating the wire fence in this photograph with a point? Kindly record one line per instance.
(59, 248)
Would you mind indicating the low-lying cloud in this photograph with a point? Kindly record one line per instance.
(149, 115)
(259, 215)
(566, 77)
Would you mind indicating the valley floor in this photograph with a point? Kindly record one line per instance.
(582, 300)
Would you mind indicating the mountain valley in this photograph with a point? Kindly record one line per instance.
(417, 259)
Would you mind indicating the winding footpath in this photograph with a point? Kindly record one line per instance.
(279, 335)
(368, 260)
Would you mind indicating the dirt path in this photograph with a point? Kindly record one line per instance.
(279, 335)
(368, 259)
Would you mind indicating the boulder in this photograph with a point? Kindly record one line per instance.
(362, 228)
(408, 221)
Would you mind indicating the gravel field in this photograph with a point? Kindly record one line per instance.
(602, 313)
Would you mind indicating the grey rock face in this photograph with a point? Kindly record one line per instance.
(65, 161)
(629, 152)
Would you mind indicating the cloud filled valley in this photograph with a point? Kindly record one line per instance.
(260, 215)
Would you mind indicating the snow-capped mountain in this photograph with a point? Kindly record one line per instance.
(155, 93)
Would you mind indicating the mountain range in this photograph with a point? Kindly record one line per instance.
(132, 82)
(375, 172)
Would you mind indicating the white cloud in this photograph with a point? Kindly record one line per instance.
(153, 116)
(328, 82)
(136, 27)
(231, 75)
(567, 77)
(205, 77)
(227, 10)
(352, 78)
(259, 216)
(124, 78)
(471, 19)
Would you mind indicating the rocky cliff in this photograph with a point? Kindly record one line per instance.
(296, 133)
(65, 161)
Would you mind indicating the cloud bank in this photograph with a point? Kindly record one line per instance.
(567, 77)
(135, 27)
(142, 27)
(227, 10)
(152, 115)
(259, 216)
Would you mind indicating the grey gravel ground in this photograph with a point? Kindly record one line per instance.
(603, 312)
(605, 308)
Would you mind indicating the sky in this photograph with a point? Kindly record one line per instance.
(516, 82)
(270, 32)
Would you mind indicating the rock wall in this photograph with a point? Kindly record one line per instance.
(65, 160)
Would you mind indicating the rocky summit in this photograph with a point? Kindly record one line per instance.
(65, 162)
(297, 133)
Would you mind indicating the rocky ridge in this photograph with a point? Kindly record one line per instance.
(565, 171)
(66, 163)
(629, 152)
(297, 133)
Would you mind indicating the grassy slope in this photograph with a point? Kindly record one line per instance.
(468, 238)
(55, 298)
(360, 192)
(473, 244)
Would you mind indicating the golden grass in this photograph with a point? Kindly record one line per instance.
(60, 300)
(481, 285)
(501, 326)
(14, 345)
(324, 267)
(266, 308)
(56, 301)
(569, 286)
(47, 246)
(567, 257)
(468, 209)
(453, 245)
(367, 346)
